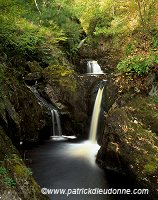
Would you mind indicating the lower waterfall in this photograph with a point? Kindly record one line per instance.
(96, 112)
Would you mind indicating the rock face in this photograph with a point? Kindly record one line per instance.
(19, 107)
(70, 94)
(130, 142)
(16, 180)
(21, 119)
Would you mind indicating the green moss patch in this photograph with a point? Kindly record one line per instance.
(63, 76)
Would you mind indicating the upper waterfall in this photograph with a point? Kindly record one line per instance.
(93, 67)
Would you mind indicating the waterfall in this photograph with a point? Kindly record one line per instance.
(41, 100)
(53, 122)
(56, 124)
(96, 112)
(57, 131)
(81, 43)
(93, 67)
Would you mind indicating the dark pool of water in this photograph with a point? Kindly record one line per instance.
(69, 164)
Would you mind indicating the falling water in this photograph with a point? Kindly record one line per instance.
(56, 124)
(95, 115)
(93, 67)
(81, 43)
(57, 131)
(53, 122)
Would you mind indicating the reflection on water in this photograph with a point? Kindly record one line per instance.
(65, 163)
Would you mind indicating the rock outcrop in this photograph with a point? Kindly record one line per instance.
(21, 119)
(16, 180)
(130, 141)
(70, 94)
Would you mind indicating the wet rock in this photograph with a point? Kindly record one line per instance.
(33, 78)
(154, 90)
(33, 67)
(71, 94)
(20, 108)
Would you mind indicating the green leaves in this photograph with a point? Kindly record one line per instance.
(3, 171)
(9, 182)
(138, 64)
(22, 36)
(6, 179)
(23, 31)
(154, 41)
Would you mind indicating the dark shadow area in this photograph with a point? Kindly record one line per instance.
(120, 181)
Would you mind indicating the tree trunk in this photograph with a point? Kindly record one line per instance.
(140, 12)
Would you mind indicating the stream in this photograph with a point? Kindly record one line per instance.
(67, 164)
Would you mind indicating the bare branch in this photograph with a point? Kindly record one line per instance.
(37, 7)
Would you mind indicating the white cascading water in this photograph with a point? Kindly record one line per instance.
(53, 122)
(93, 67)
(88, 149)
(56, 124)
(57, 131)
(95, 116)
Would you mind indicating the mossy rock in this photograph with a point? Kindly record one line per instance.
(145, 110)
(130, 143)
(16, 181)
(63, 76)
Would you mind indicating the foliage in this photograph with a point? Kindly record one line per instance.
(120, 22)
(139, 64)
(48, 30)
(62, 13)
(3, 171)
(40, 36)
(129, 48)
(29, 171)
(9, 182)
(6, 179)
(23, 37)
(124, 16)
(2, 73)
(154, 41)
(59, 14)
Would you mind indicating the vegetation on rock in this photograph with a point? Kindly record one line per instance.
(39, 41)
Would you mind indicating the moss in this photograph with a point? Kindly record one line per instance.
(134, 128)
(142, 142)
(34, 67)
(19, 170)
(150, 168)
(9, 182)
(145, 109)
(15, 177)
(63, 76)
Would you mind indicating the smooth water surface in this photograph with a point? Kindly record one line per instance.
(67, 164)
